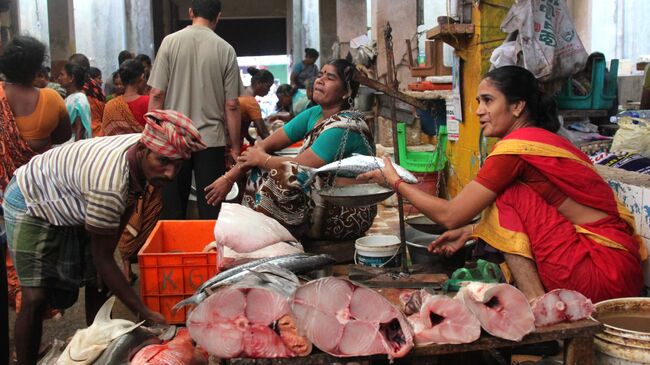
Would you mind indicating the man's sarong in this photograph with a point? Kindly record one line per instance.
(601, 259)
(44, 255)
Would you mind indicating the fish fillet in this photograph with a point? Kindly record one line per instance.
(561, 305)
(344, 319)
(502, 309)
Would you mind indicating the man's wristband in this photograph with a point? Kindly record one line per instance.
(396, 185)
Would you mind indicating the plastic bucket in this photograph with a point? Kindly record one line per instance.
(378, 251)
(625, 339)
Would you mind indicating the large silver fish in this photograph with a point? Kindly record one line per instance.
(297, 263)
(123, 348)
(359, 164)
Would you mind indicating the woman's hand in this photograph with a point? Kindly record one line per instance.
(253, 157)
(451, 241)
(217, 191)
(386, 176)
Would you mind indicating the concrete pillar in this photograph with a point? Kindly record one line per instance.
(402, 16)
(352, 22)
(61, 22)
(328, 28)
(310, 27)
(139, 26)
(100, 32)
(32, 20)
(297, 48)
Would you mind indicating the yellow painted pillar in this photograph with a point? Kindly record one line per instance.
(474, 51)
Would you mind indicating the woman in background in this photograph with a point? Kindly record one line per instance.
(72, 78)
(93, 92)
(250, 110)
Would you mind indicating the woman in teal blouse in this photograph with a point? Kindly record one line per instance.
(273, 186)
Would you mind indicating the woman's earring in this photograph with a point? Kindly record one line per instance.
(351, 102)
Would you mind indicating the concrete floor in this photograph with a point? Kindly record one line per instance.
(73, 319)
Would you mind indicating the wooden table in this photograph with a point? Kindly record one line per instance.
(577, 336)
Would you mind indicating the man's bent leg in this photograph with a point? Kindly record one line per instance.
(209, 165)
(524, 272)
(29, 325)
(175, 194)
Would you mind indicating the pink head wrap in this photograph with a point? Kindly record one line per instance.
(171, 134)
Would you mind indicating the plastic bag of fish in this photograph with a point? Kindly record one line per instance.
(244, 230)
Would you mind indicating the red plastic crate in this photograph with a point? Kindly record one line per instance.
(173, 266)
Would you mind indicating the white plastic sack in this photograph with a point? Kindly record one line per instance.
(504, 55)
(244, 230)
(549, 44)
(632, 136)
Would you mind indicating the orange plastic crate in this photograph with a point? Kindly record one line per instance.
(173, 266)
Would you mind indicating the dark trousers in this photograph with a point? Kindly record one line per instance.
(207, 165)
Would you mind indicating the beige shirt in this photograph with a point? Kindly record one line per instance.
(199, 72)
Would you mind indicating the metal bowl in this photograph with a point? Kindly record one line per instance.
(424, 224)
(358, 195)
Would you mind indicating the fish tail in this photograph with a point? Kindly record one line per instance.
(183, 303)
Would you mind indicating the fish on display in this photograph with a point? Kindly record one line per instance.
(123, 348)
(52, 355)
(561, 305)
(297, 263)
(89, 343)
(359, 164)
(179, 351)
(346, 319)
(444, 320)
(251, 318)
(502, 309)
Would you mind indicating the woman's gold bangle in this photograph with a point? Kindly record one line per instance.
(227, 179)
(266, 162)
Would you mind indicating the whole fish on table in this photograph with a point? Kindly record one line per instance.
(89, 343)
(179, 351)
(359, 164)
(123, 348)
(297, 263)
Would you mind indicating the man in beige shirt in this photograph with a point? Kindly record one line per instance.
(196, 73)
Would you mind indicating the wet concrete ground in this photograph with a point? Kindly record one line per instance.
(73, 319)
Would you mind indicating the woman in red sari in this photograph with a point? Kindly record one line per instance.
(556, 221)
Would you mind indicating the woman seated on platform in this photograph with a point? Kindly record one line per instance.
(329, 131)
(556, 221)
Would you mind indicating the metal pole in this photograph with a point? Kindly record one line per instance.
(392, 82)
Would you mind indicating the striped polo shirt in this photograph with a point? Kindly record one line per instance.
(81, 183)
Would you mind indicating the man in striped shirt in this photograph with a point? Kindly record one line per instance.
(65, 211)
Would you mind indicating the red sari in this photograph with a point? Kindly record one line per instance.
(602, 259)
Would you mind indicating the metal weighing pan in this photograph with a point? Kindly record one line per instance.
(359, 195)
